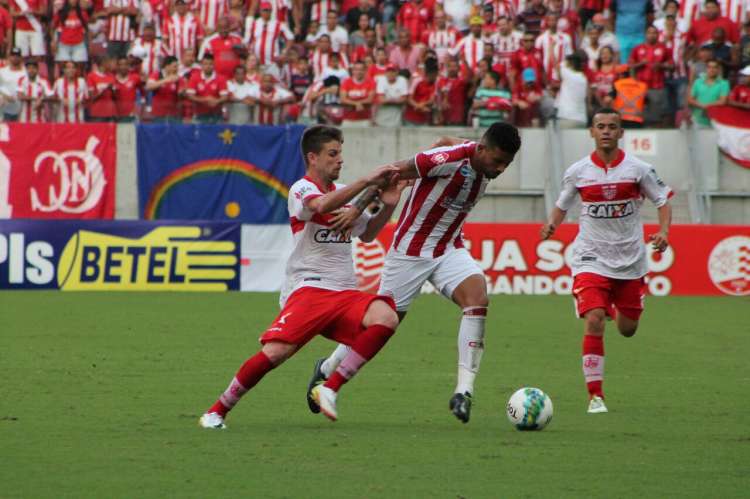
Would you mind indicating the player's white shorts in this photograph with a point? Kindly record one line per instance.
(31, 43)
(403, 276)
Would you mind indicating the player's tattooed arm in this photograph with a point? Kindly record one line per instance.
(344, 219)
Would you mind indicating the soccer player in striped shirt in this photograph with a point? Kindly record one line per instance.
(609, 256)
(428, 246)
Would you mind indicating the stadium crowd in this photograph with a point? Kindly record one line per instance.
(373, 62)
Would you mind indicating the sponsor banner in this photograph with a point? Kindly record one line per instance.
(57, 170)
(218, 172)
(702, 259)
(119, 256)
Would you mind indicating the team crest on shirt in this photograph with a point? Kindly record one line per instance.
(609, 191)
(439, 158)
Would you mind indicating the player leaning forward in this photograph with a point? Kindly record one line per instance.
(609, 257)
(320, 295)
(428, 246)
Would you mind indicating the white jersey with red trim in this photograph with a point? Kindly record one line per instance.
(610, 236)
(447, 190)
(320, 258)
(72, 96)
(34, 90)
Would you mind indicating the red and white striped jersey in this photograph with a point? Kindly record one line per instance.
(470, 49)
(33, 89)
(447, 190)
(505, 46)
(154, 12)
(182, 33)
(554, 48)
(736, 10)
(442, 41)
(268, 115)
(610, 236)
(209, 12)
(150, 54)
(690, 10)
(676, 43)
(119, 26)
(320, 258)
(72, 96)
(264, 38)
(320, 9)
(504, 8)
(320, 61)
(280, 10)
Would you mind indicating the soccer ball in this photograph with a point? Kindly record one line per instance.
(529, 409)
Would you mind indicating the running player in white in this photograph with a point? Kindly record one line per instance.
(428, 246)
(320, 295)
(609, 257)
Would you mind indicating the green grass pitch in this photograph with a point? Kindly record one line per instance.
(101, 393)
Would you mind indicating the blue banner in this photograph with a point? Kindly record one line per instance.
(218, 172)
(80, 255)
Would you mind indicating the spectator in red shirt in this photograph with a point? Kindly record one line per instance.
(422, 96)
(126, 86)
(101, 84)
(165, 86)
(379, 65)
(69, 39)
(451, 94)
(357, 96)
(225, 48)
(603, 78)
(415, 16)
(528, 56)
(740, 94)
(701, 29)
(28, 17)
(6, 25)
(651, 61)
(208, 90)
(527, 96)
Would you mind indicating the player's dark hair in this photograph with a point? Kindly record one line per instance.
(502, 136)
(605, 110)
(494, 75)
(169, 60)
(316, 136)
(209, 57)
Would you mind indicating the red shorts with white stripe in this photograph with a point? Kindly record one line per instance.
(310, 311)
(595, 291)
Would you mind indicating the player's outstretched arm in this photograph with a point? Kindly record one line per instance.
(389, 197)
(660, 239)
(556, 217)
(333, 200)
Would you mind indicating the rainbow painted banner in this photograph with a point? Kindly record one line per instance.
(217, 172)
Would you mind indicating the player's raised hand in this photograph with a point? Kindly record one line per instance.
(391, 194)
(382, 176)
(547, 230)
(659, 241)
(342, 220)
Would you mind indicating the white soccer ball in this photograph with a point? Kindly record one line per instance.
(529, 409)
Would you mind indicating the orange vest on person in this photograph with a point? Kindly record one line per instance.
(630, 99)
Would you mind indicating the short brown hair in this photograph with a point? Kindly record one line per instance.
(316, 136)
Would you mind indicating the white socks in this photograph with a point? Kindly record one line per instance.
(333, 360)
(470, 347)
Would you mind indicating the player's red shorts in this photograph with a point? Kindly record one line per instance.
(595, 291)
(312, 311)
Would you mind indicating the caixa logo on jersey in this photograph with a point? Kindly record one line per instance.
(119, 256)
(610, 210)
(79, 180)
(330, 236)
